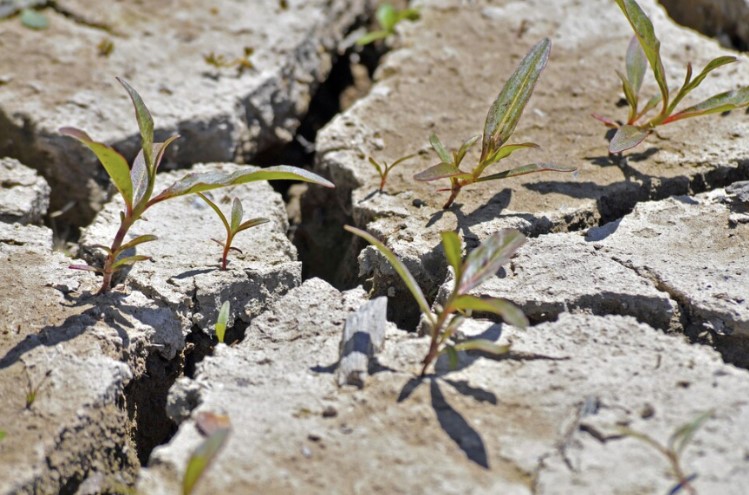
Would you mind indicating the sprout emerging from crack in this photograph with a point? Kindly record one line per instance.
(136, 185)
(232, 227)
(480, 265)
(223, 318)
(216, 428)
(500, 123)
(644, 49)
(388, 17)
(383, 169)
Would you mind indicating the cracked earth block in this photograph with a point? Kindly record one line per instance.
(24, 194)
(446, 70)
(56, 77)
(185, 269)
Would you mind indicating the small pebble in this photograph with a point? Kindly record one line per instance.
(329, 412)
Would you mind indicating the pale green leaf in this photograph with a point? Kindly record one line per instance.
(626, 137)
(453, 251)
(114, 163)
(33, 19)
(2, 435)
(629, 95)
(505, 113)
(637, 64)
(145, 122)
(684, 434)
(508, 311)
(440, 171)
(160, 148)
(527, 169)
(138, 240)
(483, 345)
(651, 104)
(223, 318)
(251, 223)
(399, 267)
(484, 261)
(202, 458)
(401, 160)
(218, 211)
(140, 178)
(461, 153)
(237, 212)
(439, 148)
(372, 37)
(130, 260)
(375, 165)
(387, 17)
(452, 356)
(723, 102)
(506, 150)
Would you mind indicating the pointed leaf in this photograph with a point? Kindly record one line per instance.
(387, 17)
(483, 345)
(651, 104)
(451, 246)
(218, 211)
(508, 311)
(637, 64)
(484, 261)
(452, 356)
(507, 150)
(160, 148)
(237, 212)
(439, 148)
(223, 318)
(138, 240)
(714, 64)
(114, 163)
(505, 113)
(199, 182)
(629, 95)
(130, 260)
(372, 37)
(251, 223)
(139, 176)
(440, 171)
(723, 102)
(527, 169)
(683, 436)
(628, 136)
(408, 14)
(606, 121)
(401, 160)
(202, 458)
(375, 165)
(645, 33)
(145, 122)
(399, 267)
(461, 153)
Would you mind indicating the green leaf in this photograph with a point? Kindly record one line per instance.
(408, 15)
(453, 251)
(637, 64)
(372, 37)
(202, 458)
(160, 148)
(508, 311)
(399, 267)
(439, 148)
(484, 261)
(483, 345)
(218, 211)
(114, 163)
(629, 95)
(507, 150)
(527, 169)
(628, 136)
(387, 17)
(723, 102)
(651, 104)
(199, 182)
(461, 153)
(130, 260)
(452, 356)
(34, 19)
(138, 240)
(237, 212)
(401, 160)
(440, 171)
(505, 113)
(2, 435)
(375, 165)
(251, 223)
(145, 123)
(140, 178)
(645, 33)
(690, 84)
(684, 434)
(223, 318)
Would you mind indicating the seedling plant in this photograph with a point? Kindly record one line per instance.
(232, 227)
(223, 318)
(673, 449)
(480, 265)
(388, 17)
(135, 185)
(217, 429)
(383, 169)
(501, 121)
(32, 391)
(644, 49)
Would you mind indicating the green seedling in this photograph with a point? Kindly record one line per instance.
(232, 227)
(32, 391)
(644, 49)
(480, 265)
(673, 449)
(34, 19)
(500, 123)
(216, 428)
(223, 318)
(2, 435)
(136, 185)
(388, 17)
(383, 169)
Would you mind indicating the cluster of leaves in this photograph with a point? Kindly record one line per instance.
(500, 123)
(674, 448)
(221, 61)
(383, 169)
(644, 49)
(136, 185)
(233, 227)
(216, 428)
(481, 264)
(388, 17)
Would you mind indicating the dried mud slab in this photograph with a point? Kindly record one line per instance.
(185, 269)
(442, 78)
(64, 76)
(24, 194)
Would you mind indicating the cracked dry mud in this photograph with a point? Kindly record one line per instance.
(634, 276)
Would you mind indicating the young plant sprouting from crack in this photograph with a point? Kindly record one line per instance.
(481, 264)
(216, 428)
(232, 227)
(32, 391)
(673, 449)
(383, 169)
(223, 318)
(644, 50)
(136, 185)
(501, 121)
(388, 17)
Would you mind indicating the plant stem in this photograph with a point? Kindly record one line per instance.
(453, 194)
(227, 247)
(114, 251)
(436, 331)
